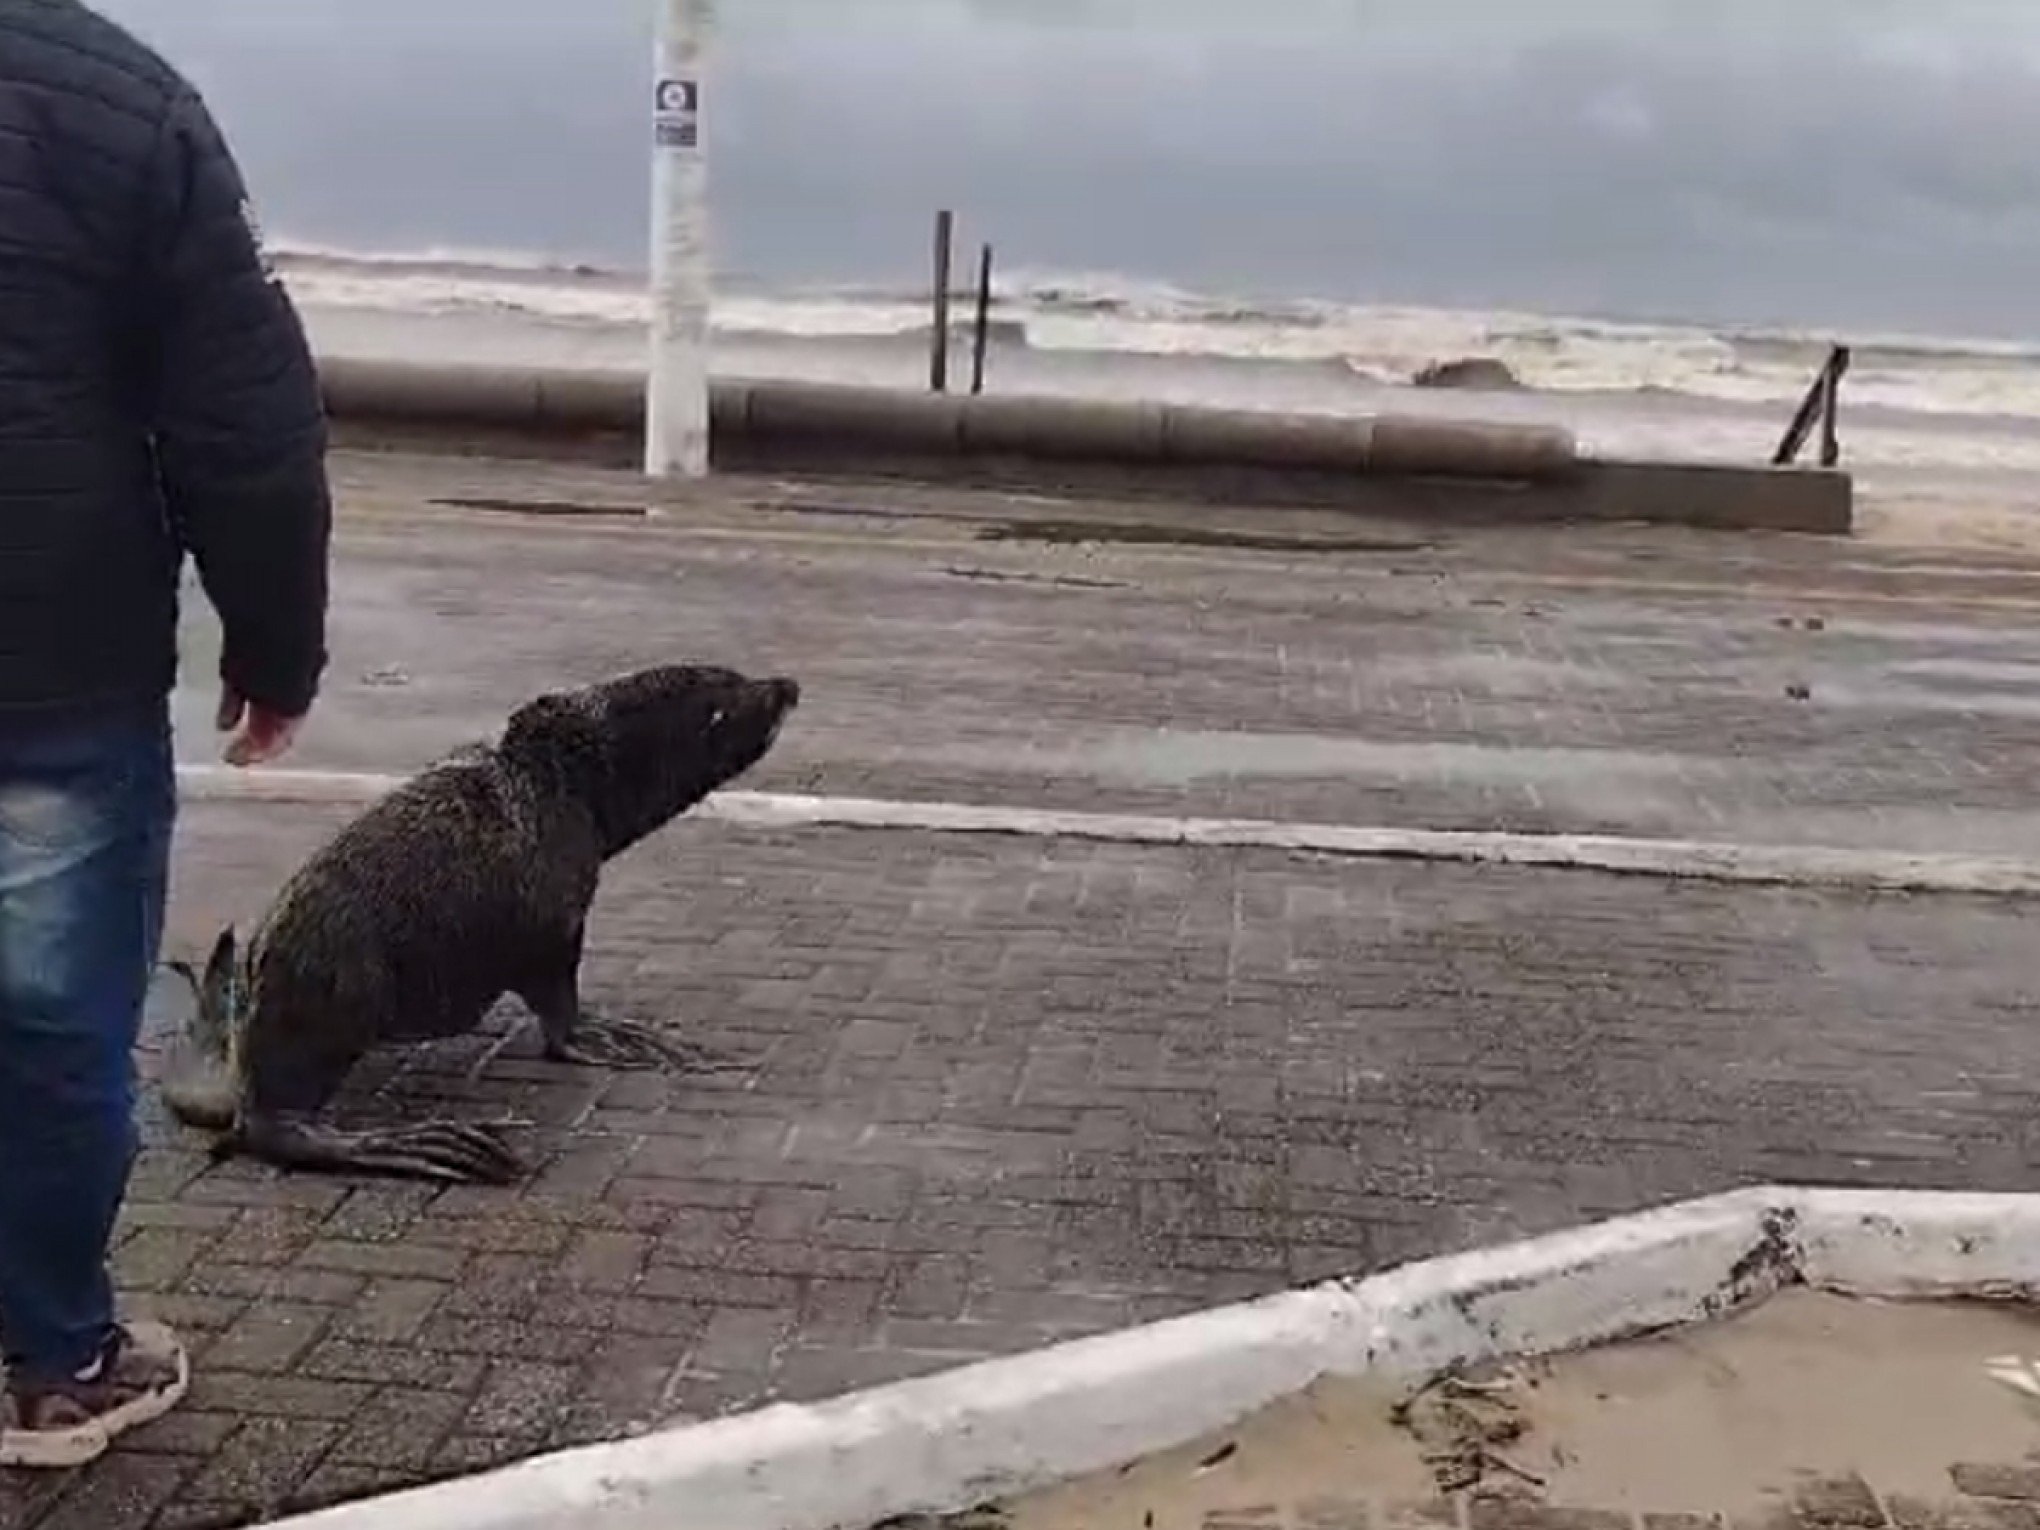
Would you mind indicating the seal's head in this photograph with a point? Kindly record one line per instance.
(645, 747)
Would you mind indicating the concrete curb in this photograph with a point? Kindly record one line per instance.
(1201, 453)
(1670, 859)
(839, 417)
(1004, 1427)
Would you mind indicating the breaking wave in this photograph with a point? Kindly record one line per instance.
(1110, 315)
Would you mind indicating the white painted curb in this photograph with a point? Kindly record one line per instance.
(1007, 1426)
(1762, 865)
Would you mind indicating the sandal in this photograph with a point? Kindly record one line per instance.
(56, 1426)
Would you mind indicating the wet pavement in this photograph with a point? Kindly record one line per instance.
(989, 1093)
(1645, 682)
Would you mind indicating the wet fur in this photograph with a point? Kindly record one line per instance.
(471, 881)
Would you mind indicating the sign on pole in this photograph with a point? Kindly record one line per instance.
(676, 395)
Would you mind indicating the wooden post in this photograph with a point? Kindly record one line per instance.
(1830, 408)
(984, 322)
(938, 374)
(1822, 406)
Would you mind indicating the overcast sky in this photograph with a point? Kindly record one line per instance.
(1873, 163)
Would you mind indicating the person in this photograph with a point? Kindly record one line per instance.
(157, 399)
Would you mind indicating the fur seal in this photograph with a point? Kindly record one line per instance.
(470, 881)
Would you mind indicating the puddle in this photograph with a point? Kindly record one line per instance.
(572, 507)
(1731, 1418)
(1069, 533)
(1052, 581)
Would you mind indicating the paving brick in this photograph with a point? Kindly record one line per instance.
(175, 1216)
(161, 1173)
(188, 1313)
(378, 1214)
(660, 1319)
(622, 1389)
(222, 1187)
(932, 1287)
(392, 1311)
(742, 1341)
(269, 1338)
(251, 1282)
(265, 1461)
(337, 1482)
(720, 1288)
(605, 1261)
(274, 1397)
(504, 1287)
(471, 1453)
(392, 1365)
(184, 1432)
(403, 1261)
(401, 1429)
(267, 1237)
(201, 1514)
(811, 1374)
(512, 1341)
(123, 1494)
(510, 1235)
(521, 1401)
(26, 1497)
(157, 1258)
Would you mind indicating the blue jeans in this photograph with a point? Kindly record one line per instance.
(86, 812)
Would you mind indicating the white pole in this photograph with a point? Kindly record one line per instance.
(676, 396)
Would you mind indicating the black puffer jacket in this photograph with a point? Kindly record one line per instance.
(157, 396)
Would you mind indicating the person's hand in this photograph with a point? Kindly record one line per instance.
(264, 735)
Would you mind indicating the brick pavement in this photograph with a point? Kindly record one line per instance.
(1606, 681)
(992, 1093)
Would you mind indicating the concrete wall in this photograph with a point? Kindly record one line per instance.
(1385, 464)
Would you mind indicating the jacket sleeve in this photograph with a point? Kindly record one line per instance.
(238, 422)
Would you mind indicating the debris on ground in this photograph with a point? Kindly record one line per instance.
(1462, 1425)
(2022, 1375)
(985, 1517)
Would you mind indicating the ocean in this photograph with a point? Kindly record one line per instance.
(1919, 413)
(1656, 215)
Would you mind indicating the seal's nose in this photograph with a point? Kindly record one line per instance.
(786, 693)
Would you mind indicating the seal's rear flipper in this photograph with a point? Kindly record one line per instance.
(450, 1151)
(198, 1079)
(620, 1044)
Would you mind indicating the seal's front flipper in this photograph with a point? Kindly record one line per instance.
(572, 1035)
(449, 1151)
(624, 1046)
